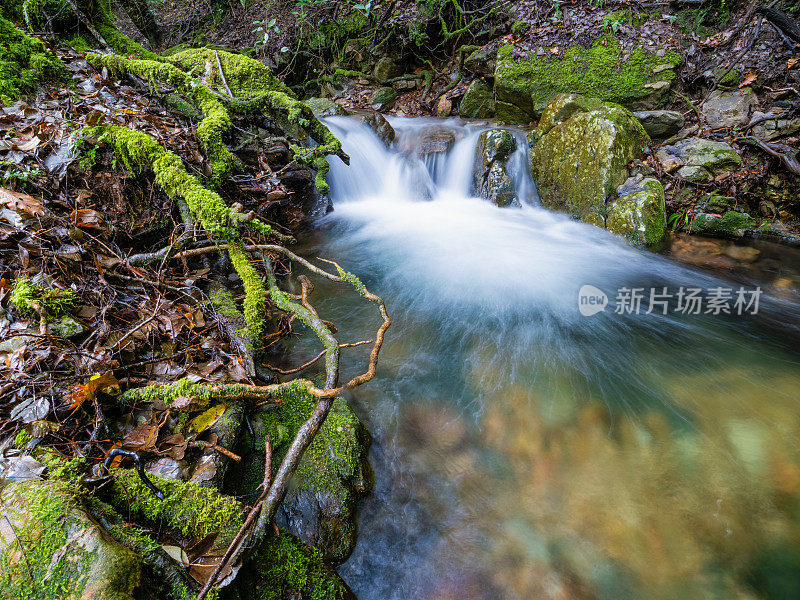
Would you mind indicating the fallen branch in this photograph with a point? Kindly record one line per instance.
(786, 154)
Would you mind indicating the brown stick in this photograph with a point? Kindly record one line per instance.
(222, 75)
(313, 360)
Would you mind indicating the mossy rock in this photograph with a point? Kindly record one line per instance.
(324, 107)
(478, 101)
(382, 98)
(580, 154)
(50, 549)
(731, 225)
(491, 179)
(639, 214)
(699, 160)
(320, 505)
(638, 81)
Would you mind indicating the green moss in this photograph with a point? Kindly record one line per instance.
(285, 567)
(79, 43)
(51, 516)
(600, 71)
(223, 302)
(25, 63)
(732, 224)
(520, 28)
(246, 77)
(187, 507)
(21, 439)
(54, 302)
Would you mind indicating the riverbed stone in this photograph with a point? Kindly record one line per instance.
(436, 141)
(50, 547)
(324, 107)
(383, 98)
(699, 160)
(581, 152)
(478, 101)
(639, 212)
(491, 179)
(729, 108)
(639, 80)
(378, 123)
(660, 123)
(731, 225)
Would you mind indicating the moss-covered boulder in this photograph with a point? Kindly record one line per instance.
(580, 154)
(660, 123)
(51, 550)
(525, 84)
(481, 62)
(478, 101)
(324, 107)
(731, 225)
(334, 473)
(382, 98)
(491, 179)
(699, 160)
(638, 212)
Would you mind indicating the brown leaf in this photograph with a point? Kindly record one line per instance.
(792, 62)
(86, 217)
(97, 383)
(554, 50)
(751, 77)
(143, 437)
(174, 446)
(18, 200)
(29, 145)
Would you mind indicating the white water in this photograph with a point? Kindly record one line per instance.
(487, 339)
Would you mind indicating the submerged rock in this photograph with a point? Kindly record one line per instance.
(699, 160)
(581, 153)
(478, 101)
(50, 547)
(378, 123)
(660, 123)
(491, 179)
(729, 109)
(639, 212)
(324, 107)
(524, 85)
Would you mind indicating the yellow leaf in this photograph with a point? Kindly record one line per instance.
(205, 420)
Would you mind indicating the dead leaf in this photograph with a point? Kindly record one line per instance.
(106, 383)
(792, 62)
(751, 77)
(554, 50)
(177, 554)
(20, 201)
(142, 438)
(29, 145)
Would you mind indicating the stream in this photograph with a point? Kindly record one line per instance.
(523, 450)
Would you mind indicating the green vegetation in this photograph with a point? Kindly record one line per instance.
(26, 295)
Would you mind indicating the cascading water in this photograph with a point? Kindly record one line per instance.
(523, 450)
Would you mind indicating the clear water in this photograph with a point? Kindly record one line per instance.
(525, 451)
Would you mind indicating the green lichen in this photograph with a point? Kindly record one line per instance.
(187, 507)
(25, 63)
(600, 71)
(50, 513)
(216, 119)
(54, 302)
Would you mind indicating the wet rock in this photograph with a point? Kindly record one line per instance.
(386, 68)
(524, 85)
(580, 154)
(729, 108)
(436, 141)
(491, 179)
(768, 126)
(383, 98)
(716, 204)
(324, 107)
(444, 107)
(639, 212)
(478, 101)
(482, 62)
(731, 225)
(660, 123)
(699, 160)
(378, 123)
(48, 541)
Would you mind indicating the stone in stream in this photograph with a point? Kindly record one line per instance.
(50, 547)
(436, 141)
(660, 123)
(580, 154)
(699, 160)
(729, 108)
(491, 179)
(478, 101)
(524, 85)
(378, 123)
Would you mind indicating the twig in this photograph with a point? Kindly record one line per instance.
(125, 337)
(222, 75)
(779, 151)
(313, 360)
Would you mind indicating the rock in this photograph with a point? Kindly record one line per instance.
(324, 107)
(716, 204)
(729, 109)
(699, 160)
(768, 127)
(481, 62)
(378, 123)
(731, 225)
(491, 179)
(581, 153)
(386, 68)
(48, 541)
(523, 86)
(478, 101)
(660, 123)
(436, 141)
(15, 343)
(334, 473)
(66, 327)
(639, 212)
(383, 98)
(444, 107)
